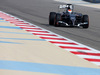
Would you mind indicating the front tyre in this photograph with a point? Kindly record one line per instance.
(85, 21)
(57, 18)
(52, 16)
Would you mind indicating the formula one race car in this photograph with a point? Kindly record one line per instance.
(68, 17)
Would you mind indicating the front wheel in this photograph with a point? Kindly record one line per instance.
(85, 21)
(52, 18)
(57, 18)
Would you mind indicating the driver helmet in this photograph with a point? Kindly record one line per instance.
(69, 8)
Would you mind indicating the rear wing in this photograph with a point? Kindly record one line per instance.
(62, 6)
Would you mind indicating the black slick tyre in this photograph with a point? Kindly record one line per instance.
(57, 18)
(85, 20)
(52, 18)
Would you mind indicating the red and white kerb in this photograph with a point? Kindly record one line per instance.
(78, 49)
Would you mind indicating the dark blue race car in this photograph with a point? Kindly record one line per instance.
(68, 17)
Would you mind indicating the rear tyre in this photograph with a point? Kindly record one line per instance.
(85, 20)
(52, 16)
(57, 18)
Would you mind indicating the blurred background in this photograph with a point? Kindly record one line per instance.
(93, 1)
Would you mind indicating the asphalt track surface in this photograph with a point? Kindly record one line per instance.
(37, 12)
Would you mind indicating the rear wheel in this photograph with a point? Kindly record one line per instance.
(57, 18)
(85, 20)
(52, 18)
